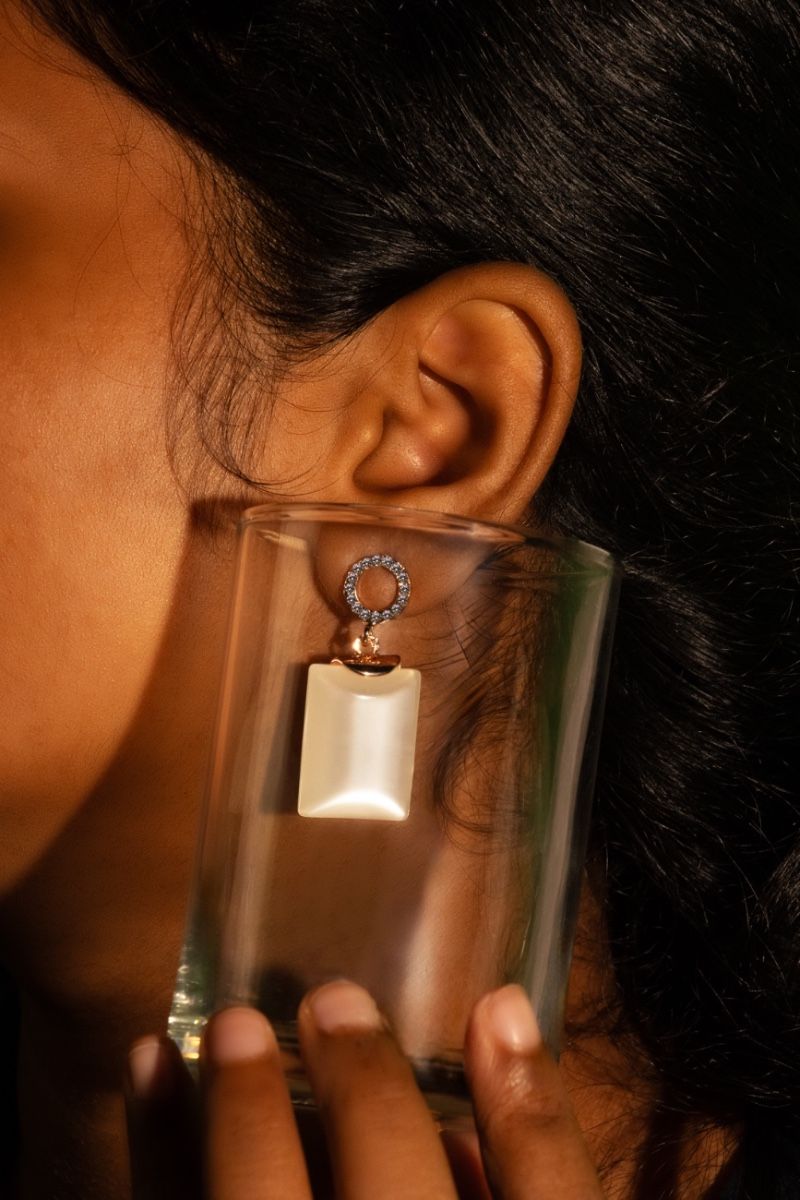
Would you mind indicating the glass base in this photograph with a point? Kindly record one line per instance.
(441, 1081)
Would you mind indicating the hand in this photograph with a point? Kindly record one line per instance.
(383, 1143)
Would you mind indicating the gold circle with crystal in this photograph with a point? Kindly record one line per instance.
(374, 616)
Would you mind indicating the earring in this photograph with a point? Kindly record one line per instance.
(360, 726)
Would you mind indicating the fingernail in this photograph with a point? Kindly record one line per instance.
(237, 1035)
(343, 1005)
(149, 1068)
(512, 1022)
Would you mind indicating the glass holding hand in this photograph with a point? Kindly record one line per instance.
(380, 1138)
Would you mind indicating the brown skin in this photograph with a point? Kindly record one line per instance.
(114, 589)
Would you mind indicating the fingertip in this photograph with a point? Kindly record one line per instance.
(150, 1068)
(236, 1035)
(510, 1021)
(502, 1030)
(341, 1006)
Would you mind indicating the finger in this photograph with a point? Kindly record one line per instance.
(531, 1144)
(252, 1146)
(162, 1118)
(382, 1138)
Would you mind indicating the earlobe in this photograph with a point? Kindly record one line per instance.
(471, 402)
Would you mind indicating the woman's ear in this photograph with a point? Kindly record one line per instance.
(454, 399)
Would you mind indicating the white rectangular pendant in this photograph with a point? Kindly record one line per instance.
(359, 738)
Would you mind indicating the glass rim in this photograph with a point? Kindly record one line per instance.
(594, 556)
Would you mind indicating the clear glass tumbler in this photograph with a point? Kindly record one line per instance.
(401, 774)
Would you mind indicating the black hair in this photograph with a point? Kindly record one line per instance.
(644, 155)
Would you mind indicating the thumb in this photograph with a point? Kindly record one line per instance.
(531, 1143)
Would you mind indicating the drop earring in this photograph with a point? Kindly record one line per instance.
(360, 726)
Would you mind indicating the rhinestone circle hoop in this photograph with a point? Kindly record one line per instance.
(374, 616)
